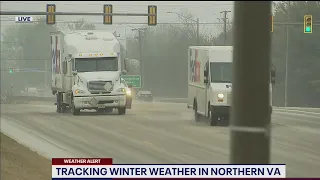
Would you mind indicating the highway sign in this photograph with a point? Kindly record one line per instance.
(134, 80)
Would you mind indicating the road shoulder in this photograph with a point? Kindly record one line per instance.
(20, 163)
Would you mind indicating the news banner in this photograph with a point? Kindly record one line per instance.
(103, 168)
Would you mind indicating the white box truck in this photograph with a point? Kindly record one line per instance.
(86, 72)
(209, 82)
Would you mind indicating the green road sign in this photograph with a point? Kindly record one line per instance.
(134, 80)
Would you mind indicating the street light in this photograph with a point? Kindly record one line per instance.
(196, 21)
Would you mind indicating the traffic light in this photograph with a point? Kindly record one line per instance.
(152, 20)
(271, 23)
(307, 24)
(51, 18)
(10, 70)
(107, 19)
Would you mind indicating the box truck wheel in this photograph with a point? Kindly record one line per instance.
(213, 118)
(122, 110)
(196, 115)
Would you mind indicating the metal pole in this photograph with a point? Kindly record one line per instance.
(141, 61)
(45, 74)
(198, 33)
(225, 25)
(287, 59)
(126, 39)
(250, 123)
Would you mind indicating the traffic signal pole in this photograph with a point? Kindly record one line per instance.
(250, 123)
(73, 13)
(107, 14)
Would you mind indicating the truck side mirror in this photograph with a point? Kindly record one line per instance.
(273, 77)
(74, 73)
(205, 73)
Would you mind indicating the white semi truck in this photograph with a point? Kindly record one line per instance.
(209, 82)
(86, 72)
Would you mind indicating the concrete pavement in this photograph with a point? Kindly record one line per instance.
(166, 133)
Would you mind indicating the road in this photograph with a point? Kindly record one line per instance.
(166, 133)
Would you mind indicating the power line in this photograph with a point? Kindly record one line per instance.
(225, 13)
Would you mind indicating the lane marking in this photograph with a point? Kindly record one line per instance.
(187, 156)
(150, 144)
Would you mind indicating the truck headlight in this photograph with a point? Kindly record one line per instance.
(128, 92)
(79, 91)
(220, 95)
(121, 90)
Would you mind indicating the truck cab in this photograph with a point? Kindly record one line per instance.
(210, 82)
(89, 74)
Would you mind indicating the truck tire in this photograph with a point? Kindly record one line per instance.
(59, 103)
(196, 115)
(74, 111)
(122, 110)
(64, 108)
(213, 119)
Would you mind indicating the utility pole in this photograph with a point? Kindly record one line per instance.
(141, 55)
(287, 59)
(225, 13)
(198, 32)
(250, 122)
(45, 75)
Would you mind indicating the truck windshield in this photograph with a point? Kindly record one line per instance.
(96, 64)
(221, 72)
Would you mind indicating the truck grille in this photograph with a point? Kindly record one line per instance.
(229, 98)
(100, 86)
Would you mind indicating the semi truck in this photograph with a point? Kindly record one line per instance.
(86, 72)
(209, 82)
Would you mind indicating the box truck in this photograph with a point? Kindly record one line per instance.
(86, 72)
(209, 82)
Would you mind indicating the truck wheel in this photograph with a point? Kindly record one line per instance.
(122, 110)
(196, 115)
(59, 98)
(64, 108)
(213, 119)
(75, 111)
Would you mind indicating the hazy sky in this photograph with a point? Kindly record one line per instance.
(206, 11)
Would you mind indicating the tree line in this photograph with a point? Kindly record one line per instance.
(164, 55)
(27, 46)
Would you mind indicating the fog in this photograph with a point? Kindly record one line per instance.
(163, 47)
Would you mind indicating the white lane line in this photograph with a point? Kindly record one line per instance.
(187, 156)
